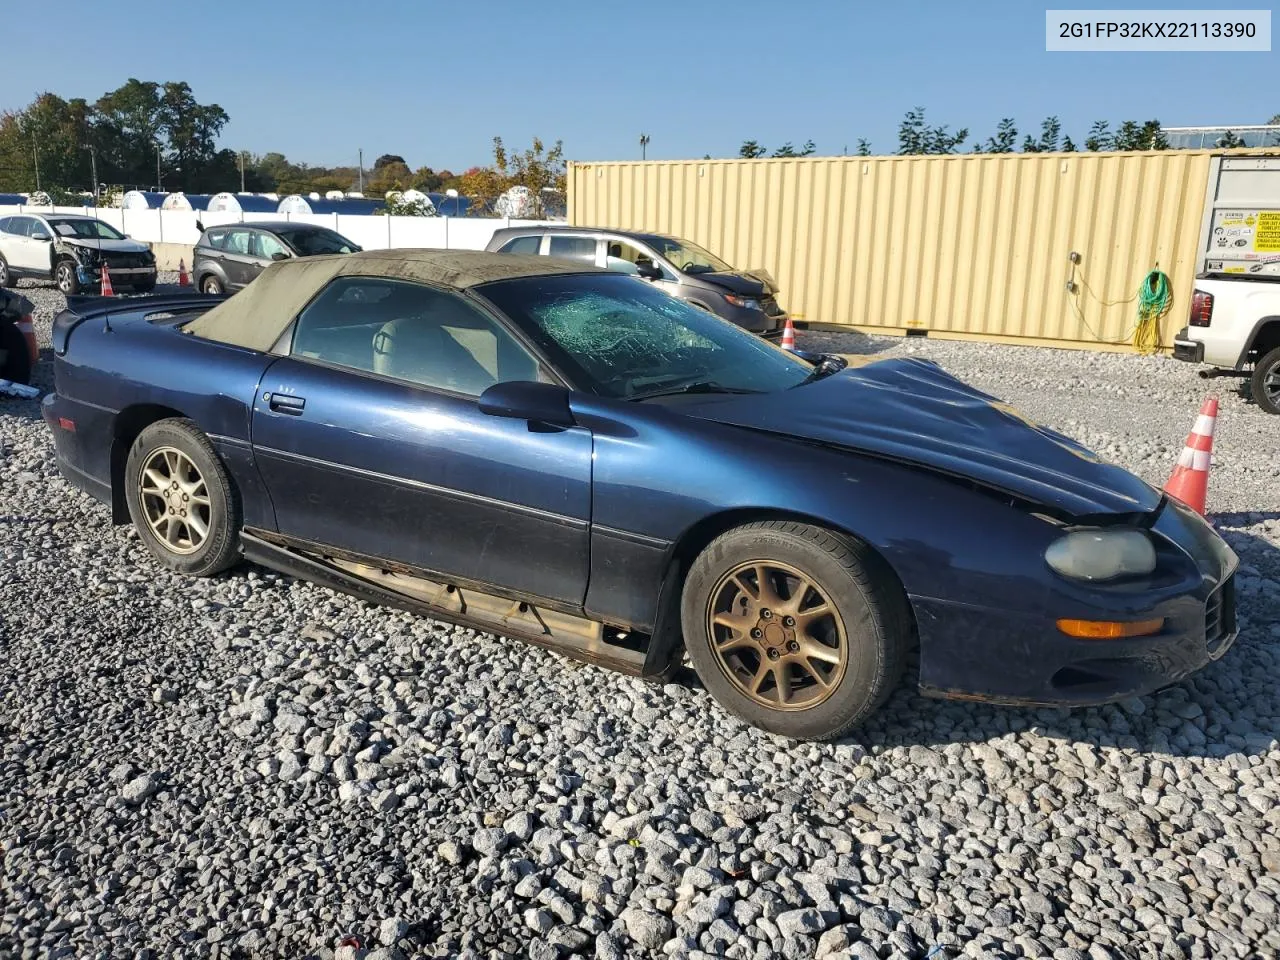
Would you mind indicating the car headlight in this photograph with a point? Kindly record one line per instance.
(85, 254)
(745, 302)
(1101, 554)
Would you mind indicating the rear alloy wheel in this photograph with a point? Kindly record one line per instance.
(181, 499)
(6, 279)
(1266, 382)
(211, 284)
(64, 274)
(795, 629)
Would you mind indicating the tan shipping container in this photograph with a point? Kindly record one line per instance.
(960, 246)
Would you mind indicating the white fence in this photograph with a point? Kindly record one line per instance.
(372, 232)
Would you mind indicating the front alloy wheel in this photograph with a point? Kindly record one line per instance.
(1266, 382)
(777, 636)
(65, 276)
(799, 630)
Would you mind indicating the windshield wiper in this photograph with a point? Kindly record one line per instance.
(828, 365)
(697, 386)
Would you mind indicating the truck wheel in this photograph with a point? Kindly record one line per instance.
(795, 629)
(15, 359)
(1266, 382)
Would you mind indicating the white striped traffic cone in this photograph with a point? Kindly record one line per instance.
(1190, 479)
(107, 290)
(788, 336)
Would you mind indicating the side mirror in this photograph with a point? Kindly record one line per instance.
(527, 400)
(41, 236)
(648, 269)
(279, 255)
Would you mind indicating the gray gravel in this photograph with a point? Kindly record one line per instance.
(254, 766)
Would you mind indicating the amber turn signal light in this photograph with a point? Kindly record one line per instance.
(1109, 629)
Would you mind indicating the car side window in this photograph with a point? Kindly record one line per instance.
(621, 257)
(522, 245)
(266, 246)
(4, 224)
(237, 242)
(217, 239)
(20, 226)
(573, 248)
(411, 332)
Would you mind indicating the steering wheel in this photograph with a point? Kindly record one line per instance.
(687, 266)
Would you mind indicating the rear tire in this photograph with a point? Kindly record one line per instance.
(831, 626)
(6, 278)
(64, 275)
(15, 359)
(1266, 382)
(211, 284)
(181, 499)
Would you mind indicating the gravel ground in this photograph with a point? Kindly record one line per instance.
(254, 766)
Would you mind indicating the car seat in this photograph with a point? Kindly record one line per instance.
(418, 349)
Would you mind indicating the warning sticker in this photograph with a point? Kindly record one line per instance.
(1266, 238)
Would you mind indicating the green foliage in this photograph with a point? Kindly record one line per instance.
(750, 150)
(1005, 140)
(1050, 131)
(398, 206)
(864, 147)
(1229, 140)
(915, 136)
(387, 158)
(1100, 136)
(787, 150)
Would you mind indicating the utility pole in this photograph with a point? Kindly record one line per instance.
(361, 167)
(242, 171)
(644, 142)
(35, 149)
(93, 163)
(159, 182)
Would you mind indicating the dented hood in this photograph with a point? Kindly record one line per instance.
(913, 411)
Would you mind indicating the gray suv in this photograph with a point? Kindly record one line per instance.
(683, 269)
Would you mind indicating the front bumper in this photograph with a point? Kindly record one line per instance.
(970, 652)
(1184, 348)
(91, 274)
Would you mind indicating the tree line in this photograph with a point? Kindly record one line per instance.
(917, 137)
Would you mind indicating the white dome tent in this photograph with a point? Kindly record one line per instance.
(241, 203)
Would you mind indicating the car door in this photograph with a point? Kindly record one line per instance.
(369, 438)
(21, 251)
(263, 248)
(237, 260)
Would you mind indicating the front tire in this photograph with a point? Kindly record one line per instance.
(181, 499)
(795, 629)
(64, 275)
(1265, 383)
(6, 277)
(211, 284)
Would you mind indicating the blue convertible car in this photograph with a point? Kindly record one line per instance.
(571, 457)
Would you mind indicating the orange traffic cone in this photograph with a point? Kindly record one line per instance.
(789, 336)
(107, 290)
(1190, 480)
(183, 279)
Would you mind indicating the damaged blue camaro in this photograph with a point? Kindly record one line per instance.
(573, 458)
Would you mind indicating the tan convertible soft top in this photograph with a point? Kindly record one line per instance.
(257, 315)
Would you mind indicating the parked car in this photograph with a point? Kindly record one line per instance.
(550, 451)
(229, 258)
(70, 250)
(748, 298)
(1234, 327)
(18, 349)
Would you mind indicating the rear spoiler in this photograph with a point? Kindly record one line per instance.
(82, 308)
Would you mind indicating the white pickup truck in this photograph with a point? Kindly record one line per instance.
(1234, 327)
(1234, 323)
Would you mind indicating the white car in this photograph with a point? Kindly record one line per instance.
(70, 250)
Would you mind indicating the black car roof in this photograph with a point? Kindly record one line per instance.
(272, 226)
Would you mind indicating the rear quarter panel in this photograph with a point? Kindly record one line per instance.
(112, 382)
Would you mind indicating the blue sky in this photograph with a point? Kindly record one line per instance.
(435, 82)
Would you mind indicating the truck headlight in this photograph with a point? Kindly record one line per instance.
(1101, 554)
